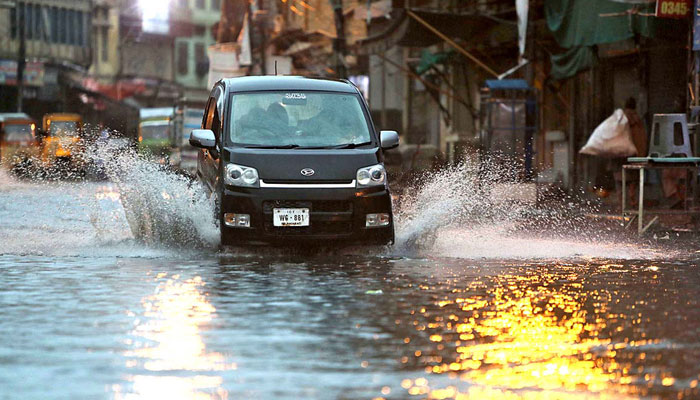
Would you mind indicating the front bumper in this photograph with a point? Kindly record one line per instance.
(336, 215)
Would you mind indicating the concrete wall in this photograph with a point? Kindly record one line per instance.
(150, 59)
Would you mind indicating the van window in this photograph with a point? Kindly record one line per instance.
(313, 119)
(18, 133)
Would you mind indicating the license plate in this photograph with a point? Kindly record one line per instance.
(290, 216)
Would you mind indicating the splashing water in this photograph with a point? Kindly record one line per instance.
(459, 212)
(454, 212)
(161, 206)
(457, 195)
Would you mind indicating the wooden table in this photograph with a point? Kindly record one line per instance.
(642, 164)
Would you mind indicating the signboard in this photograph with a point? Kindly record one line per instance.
(33, 73)
(672, 8)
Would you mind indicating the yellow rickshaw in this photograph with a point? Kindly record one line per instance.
(62, 141)
(18, 145)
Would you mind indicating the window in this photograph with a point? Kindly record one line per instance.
(216, 4)
(300, 118)
(182, 58)
(72, 32)
(200, 59)
(38, 23)
(103, 46)
(200, 3)
(54, 25)
(28, 21)
(13, 22)
(183, 3)
(80, 32)
(61, 26)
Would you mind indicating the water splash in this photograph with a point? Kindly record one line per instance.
(137, 207)
(459, 212)
(465, 211)
(456, 195)
(162, 207)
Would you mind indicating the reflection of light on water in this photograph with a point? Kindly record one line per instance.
(106, 192)
(529, 337)
(173, 346)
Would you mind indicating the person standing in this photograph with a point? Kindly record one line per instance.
(637, 130)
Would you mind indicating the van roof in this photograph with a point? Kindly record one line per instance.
(14, 116)
(272, 82)
(159, 112)
(63, 116)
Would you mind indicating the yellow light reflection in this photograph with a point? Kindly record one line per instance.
(528, 338)
(173, 347)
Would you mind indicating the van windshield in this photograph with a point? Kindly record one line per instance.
(18, 133)
(155, 131)
(298, 119)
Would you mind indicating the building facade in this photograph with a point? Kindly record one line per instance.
(191, 58)
(56, 37)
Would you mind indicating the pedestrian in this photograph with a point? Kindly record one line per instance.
(636, 126)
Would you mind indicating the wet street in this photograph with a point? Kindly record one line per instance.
(90, 312)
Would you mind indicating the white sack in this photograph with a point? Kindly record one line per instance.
(612, 138)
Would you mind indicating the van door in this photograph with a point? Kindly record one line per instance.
(210, 159)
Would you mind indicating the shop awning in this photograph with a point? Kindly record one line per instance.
(577, 26)
(406, 31)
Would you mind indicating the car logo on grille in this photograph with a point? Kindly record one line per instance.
(307, 172)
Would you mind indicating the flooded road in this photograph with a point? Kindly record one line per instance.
(90, 312)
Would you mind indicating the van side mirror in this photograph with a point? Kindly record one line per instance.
(389, 139)
(203, 138)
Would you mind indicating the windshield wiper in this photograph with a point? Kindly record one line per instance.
(349, 145)
(284, 146)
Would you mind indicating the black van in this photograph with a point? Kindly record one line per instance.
(294, 159)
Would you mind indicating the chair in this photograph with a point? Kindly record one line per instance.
(669, 136)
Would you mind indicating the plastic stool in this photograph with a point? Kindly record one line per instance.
(669, 136)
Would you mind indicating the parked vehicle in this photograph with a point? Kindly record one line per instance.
(292, 158)
(62, 144)
(19, 149)
(157, 135)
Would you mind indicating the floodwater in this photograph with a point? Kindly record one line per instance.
(87, 311)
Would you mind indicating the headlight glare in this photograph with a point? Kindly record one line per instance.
(238, 175)
(373, 175)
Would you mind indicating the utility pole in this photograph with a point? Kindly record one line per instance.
(339, 45)
(262, 26)
(22, 53)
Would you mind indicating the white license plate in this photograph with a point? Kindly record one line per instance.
(290, 216)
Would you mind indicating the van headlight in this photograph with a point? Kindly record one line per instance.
(238, 175)
(374, 175)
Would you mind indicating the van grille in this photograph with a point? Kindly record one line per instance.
(332, 206)
(327, 217)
